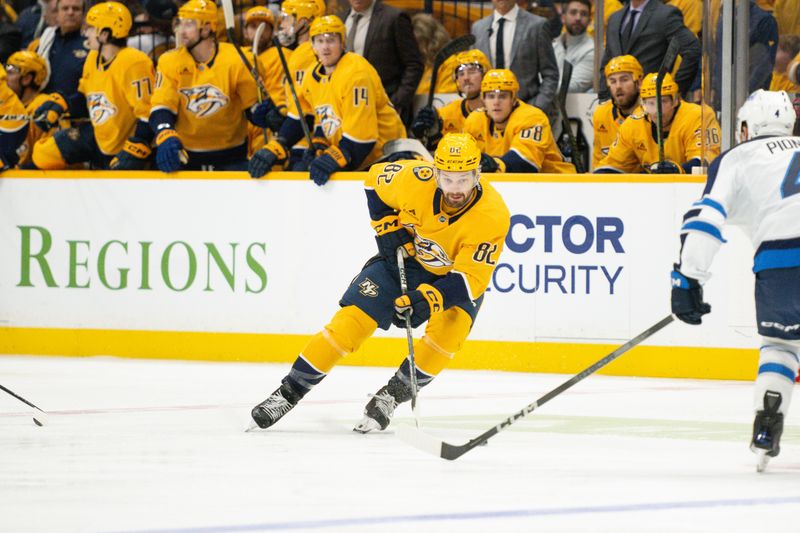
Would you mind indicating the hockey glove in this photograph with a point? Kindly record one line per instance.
(665, 167)
(391, 235)
(421, 303)
(427, 123)
(318, 147)
(170, 154)
(47, 115)
(332, 160)
(262, 161)
(687, 299)
(492, 164)
(259, 112)
(133, 156)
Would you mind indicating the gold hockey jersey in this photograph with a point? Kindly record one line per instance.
(117, 95)
(606, 121)
(351, 103)
(209, 99)
(691, 133)
(527, 133)
(468, 241)
(453, 116)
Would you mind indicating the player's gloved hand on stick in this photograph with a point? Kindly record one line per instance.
(133, 156)
(263, 160)
(665, 167)
(391, 235)
(267, 115)
(170, 154)
(422, 303)
(48, 114)
(332, 160)
(687, 299)
(317, 148)
(427, 123)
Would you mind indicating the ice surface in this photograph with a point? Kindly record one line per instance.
(139, 445)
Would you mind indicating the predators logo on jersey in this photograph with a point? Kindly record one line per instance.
(204, 100)
(327, 119)
(430, 253)
(100, 108)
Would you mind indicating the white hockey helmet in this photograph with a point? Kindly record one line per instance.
(766, 113)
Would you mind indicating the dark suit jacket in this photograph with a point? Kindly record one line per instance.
(658, 23)
(532, 59)
(392, 49)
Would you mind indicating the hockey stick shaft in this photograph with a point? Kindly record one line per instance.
(290, 81)
(38, 419)
(666, 65)
(412, 370)
(256, 73)
(227, 12)
(566, 77)
(451, 452)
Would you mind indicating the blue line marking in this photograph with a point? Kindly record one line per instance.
(482, 515)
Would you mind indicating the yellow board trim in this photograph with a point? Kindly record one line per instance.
(546, 357)
(341, 176)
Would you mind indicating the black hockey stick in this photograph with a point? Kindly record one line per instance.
(429, 443)
(40, 419)
(290, 81)
(577, 157)
(666, 65)
(459, 44)
(412, 366)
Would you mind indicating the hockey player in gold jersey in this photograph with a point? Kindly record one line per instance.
(514, 136)
(295, 24)
(271, 74)
(114, 92)
(27, 73)
(431, 123)
(624, 78)
(453, 227)
(353, 115)
(691, 134)
(14, 125)
(203, 98)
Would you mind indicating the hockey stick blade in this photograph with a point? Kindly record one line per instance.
(39, 418)
(459, 44)
(430, 444)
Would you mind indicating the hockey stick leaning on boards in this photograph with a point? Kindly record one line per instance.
(430, 444)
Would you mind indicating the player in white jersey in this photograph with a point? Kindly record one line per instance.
(756, 186)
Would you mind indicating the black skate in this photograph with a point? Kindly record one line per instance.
(273, 408)
(379, 410)
(767, 430)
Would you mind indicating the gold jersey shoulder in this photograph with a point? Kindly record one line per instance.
(351, 102)
(606, 121)
(468, 241)
(208, 99)
(10, 105)
(117, 95)
(453, 116)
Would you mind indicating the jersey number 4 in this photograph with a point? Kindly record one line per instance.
(791, 181)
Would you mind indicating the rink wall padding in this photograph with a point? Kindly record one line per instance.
(216, 266)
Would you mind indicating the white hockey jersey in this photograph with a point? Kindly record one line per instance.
(755, 185)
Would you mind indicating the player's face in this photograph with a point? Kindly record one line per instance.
(456, 186)
(575, 18)
(668, 105)
(328, 47)
(14, 79)
(468, 80)
(498, 105)
(189, 32)
(624, 89)
(266, 35)
(90, 32)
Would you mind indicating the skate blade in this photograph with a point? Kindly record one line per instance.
(763, 459)
(366, 425)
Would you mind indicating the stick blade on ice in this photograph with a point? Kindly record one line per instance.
(419, 439)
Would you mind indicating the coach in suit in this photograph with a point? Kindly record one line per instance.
(524, 47)
(383, 35)
(644, 29)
